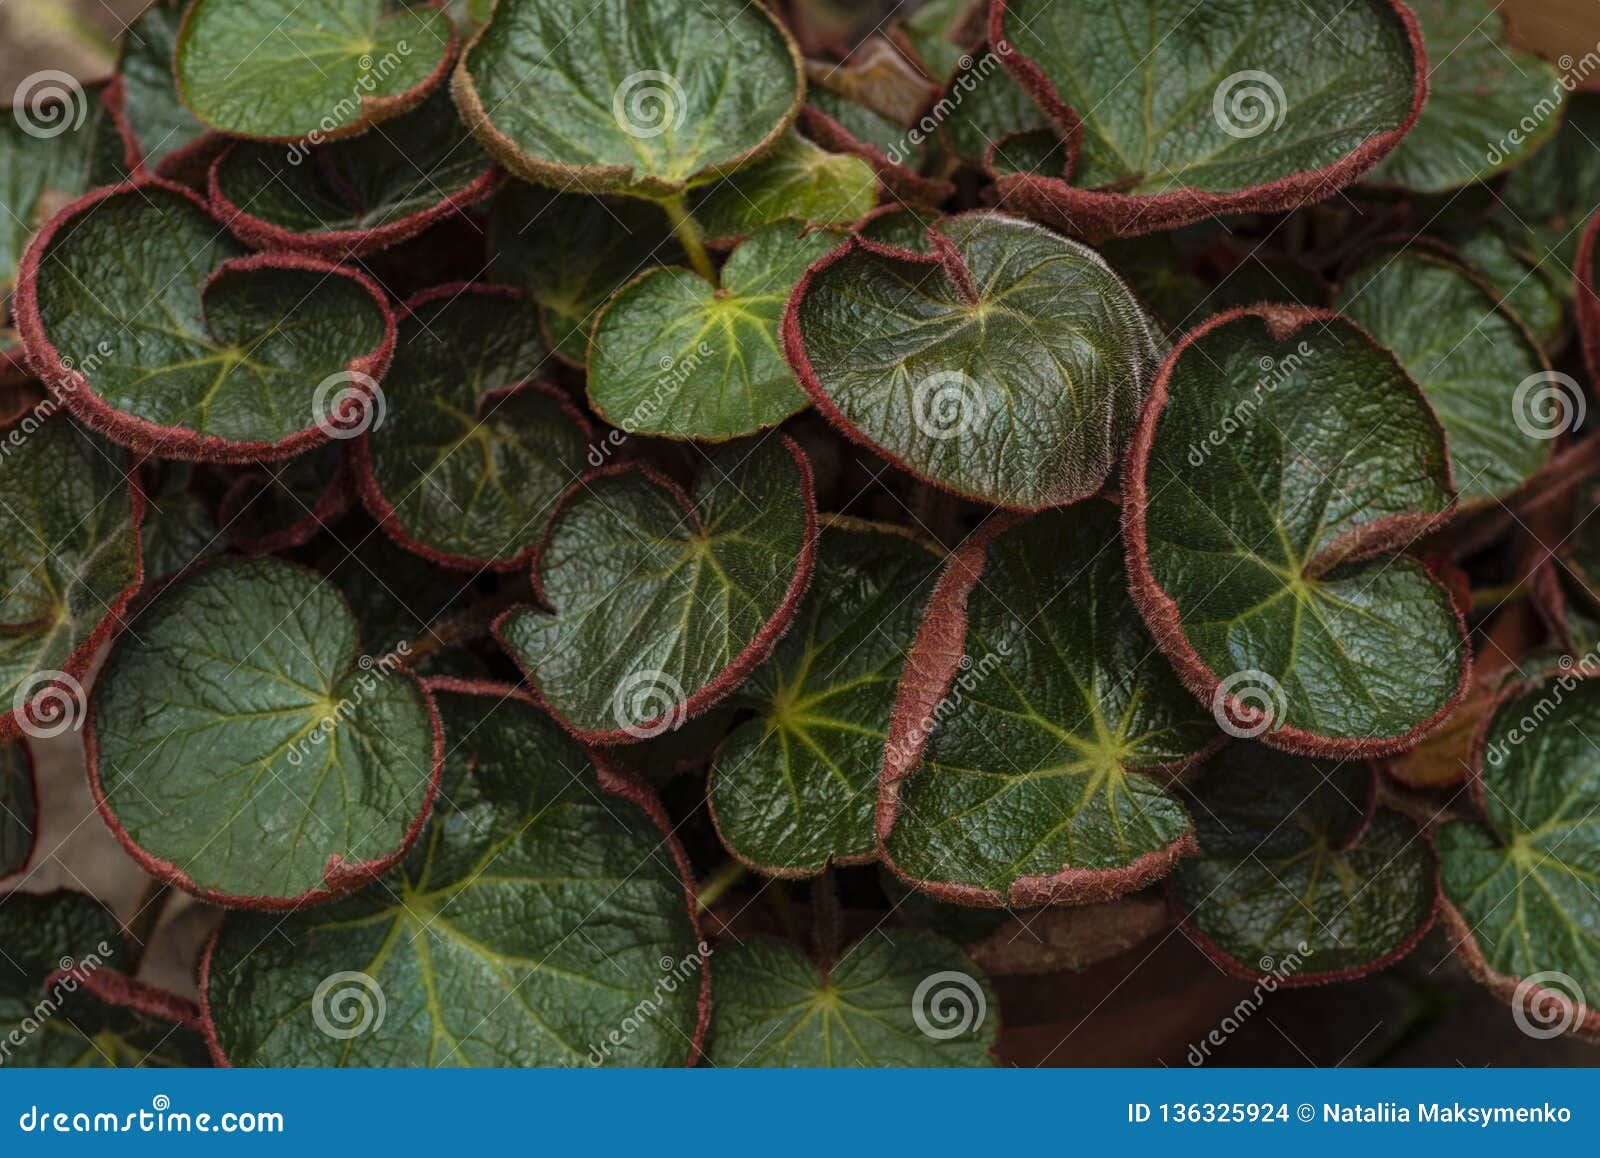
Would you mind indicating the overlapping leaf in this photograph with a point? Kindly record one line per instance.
(793, 788)
(1481, 88)
(676, 356)
(1282, 457)
(682, 95)
(242, 745)
(19, 807)
(1025, 761)
(796, 181)
(186, 350)
(1520, 888)
(69, 563)
(1297, 876)
(179, 526)
(572, 253)
(468, 464)
(663, 601)
(910, 999)
(1008, 366)
(276, 506)
(1255, 105)
(1545, 201)
(533, 919)
(1531, 292)
(68, 1023)
(355, 196)
(1469, 356)
(252, 68)
(166, 131)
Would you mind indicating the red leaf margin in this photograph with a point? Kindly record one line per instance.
(930, 668)
(1160, 611)
(175, 442)
(1058, 202)
(618, 783)
(756, 651)
(339, 876)
(365, 476)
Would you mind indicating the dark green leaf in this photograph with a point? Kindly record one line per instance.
(179, 527)
(1471, 359)
(468, 465)
(664, 601)
(1528, 291)
(247, 748)
(1034, 730)
(322, 68)
(683, 93)
(1256, 105)
(1545, 202)
(155, 115)
(905, 998)
(275, 506)
(1522, 889)
(572, 253)
(1296, 876)
(796, 181)
(19, 807)
(1010, 367)
(352, 197)
(676, 356)
(539, 921)
(793, 788)
(1282, 456)
(1481, 90)
(69, 563)
(191, 351)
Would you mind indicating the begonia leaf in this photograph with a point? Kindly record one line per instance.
(19, 807)
(797, 181)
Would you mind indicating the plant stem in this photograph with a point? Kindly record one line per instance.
(687, 230)
(144, 920)
(718, 883)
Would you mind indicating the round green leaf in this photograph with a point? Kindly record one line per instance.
(1252, 105)
(1282, 456)
(1297, 876)
(1471, 359)
(19, 808)
(469, 462)
(682, 93)
(1528, 291)
(572, 253)
(1008, 366)
(155, 116)
(1481, 90)
(539, 921)
(663, 601)
(796, 181)
(793, 788)
(1520, 892)
(353, 197)
(898, 998)
(189, 352)
(1025, 763)
(675, 356)
(69, 564)
(243, 748)
(320, 69)
(73, 1021)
